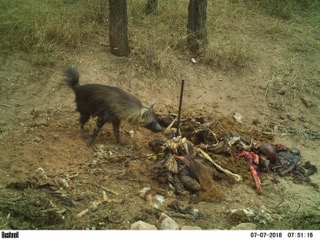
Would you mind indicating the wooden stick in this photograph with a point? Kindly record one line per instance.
(180, 107)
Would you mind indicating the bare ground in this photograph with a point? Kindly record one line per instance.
(49, 175)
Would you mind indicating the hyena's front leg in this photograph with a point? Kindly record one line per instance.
(116, 130)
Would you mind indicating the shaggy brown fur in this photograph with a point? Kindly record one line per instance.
(109, 104)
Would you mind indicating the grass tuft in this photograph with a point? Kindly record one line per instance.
(48, 29)
(45, 26)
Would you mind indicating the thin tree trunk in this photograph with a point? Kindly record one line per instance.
(118, 28)
(151, 7)
(196, 27)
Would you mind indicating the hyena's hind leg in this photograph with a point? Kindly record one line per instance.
(101, 120)
(83, 120)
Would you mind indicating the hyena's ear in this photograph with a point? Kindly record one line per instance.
(152, 105)
(147, 109)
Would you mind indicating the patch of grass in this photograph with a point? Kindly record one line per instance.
(4, 221)
(288, 8)
(306, 35)
(229, 46)
(303, 221)
(158, 41)
(44, 26)
(228, 55)
(48, 29)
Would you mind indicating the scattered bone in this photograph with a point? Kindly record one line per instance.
(81, 214)
(237, 177)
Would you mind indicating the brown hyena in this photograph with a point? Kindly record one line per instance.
(109, 104)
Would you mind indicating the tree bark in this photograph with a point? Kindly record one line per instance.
(118, 28)
(151, 7)
(196, 27)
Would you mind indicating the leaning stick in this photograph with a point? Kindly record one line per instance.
(237, 177)
(180, 108)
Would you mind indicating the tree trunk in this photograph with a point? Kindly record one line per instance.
(151, 7)
(196, 27)
(118, 28)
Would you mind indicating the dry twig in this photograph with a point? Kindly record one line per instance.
(5, 105)
(109, 191)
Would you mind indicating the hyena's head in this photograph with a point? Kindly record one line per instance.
(149, 119)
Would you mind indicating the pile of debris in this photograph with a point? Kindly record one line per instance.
(213, 149)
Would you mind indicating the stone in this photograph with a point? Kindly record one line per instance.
(168, 223)
(291, 117)
(37, 139)
(302, 119)
(190, 228)
(245, 226)
(282, 91)
(242, 215)
(141, 225)
(255, 121)
(307, 101)
(283, 116)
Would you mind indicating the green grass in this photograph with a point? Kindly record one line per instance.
(288, 8)
(284, 9)
(302, 221)
(4, 221)
(48, 29)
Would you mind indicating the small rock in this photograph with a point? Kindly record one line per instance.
(35, 112)
(238, 117)
(283, 116)
(141, 225)
(157, 201)
(168, 223)
(264, 217)
(295, 151)
(307, 101)
(242, 215)
(245, 226)
(302, 119)
(255, 121)
(143, 191)
(190, 228)
(277, 217)
(39, 123)
(2, 122)
(282, 91)
(291, 117)
(55, 137)
(37, 139)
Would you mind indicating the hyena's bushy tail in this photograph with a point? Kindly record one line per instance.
(72, 77)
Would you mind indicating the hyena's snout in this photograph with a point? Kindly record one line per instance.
(154, 127)
(149, 119)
